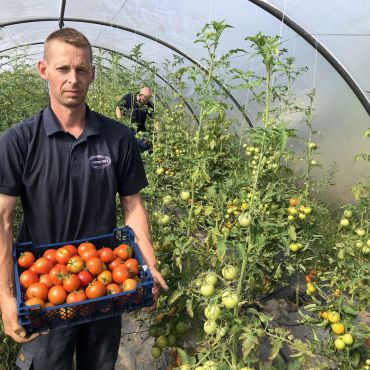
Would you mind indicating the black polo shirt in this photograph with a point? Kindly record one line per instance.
(68, 186)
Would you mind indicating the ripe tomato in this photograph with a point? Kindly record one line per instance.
(338, 328)
(35, 301)
(120, 274)
(75, 264)
(89, 253)
(84, 246)
(27, 278)
(71, 282)
(63, 255)
(293, 202)
(113, 289)
(95, 289)
(123, 251)
(50, 254)
(85, 278)
(129, 284)
(106, 255)
(76, 296)
(57, 294)
(38, 290)
(132, 266)
(58, 273)
(71, 248)
(94, 265)
(115, 263)
(26, 259)
(45, 279)
(333, 316)
(43, 265)
(105, 277)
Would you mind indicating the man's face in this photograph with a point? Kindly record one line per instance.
(144, 97)
(69, 72)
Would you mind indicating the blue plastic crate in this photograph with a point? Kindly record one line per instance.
(34, 319)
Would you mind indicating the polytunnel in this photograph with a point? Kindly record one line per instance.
(315, 109)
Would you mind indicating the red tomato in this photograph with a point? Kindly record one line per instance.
(106, 255)
(89, 253)
(57, 295)
(32, 268)
(129, 284)
(84, 246)
(35, 301)
(45, 279)
(58, 273)
(115, 263)
(71, 248)
(43, 265)
(85, 278)
(105, 277)
(27, 278)
(75, 264)
(113, 289)
(94, 265)
(95, 289)
(71, 282)
(123, 251)
(120, 274)
(132, 267)
(50, 253)
(26, 259)
(76, 296)
(63, 255)
(38, 290)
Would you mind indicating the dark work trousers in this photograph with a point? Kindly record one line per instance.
(96, 345)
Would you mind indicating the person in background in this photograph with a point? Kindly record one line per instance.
(137, 108)
(67, 163)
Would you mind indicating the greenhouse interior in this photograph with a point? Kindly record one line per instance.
(231, 192)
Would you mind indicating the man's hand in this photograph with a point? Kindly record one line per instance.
(10, 321)
(159, 283)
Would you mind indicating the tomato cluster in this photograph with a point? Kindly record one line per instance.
(73, 274)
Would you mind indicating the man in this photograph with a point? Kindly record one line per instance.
(48, 161)
(136, 107)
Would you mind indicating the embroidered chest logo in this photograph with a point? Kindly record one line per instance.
(99, 161)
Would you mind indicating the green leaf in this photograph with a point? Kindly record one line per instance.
(175, 296)
(276, 344)
(221, 247)
(349, 309)
(292, 233)
(189, 307)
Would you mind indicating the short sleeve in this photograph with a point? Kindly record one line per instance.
(11, 163)
(130, 168)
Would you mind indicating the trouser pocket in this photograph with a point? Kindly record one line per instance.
(24, 360)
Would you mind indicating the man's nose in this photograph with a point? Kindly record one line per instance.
(72, 76)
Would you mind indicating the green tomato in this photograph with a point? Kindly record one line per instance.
(344, 222)
(159, 171)
(161, 341)
(229, 272)
(347, 214)
(171, 340)
(359, 244)
(210, 327)
(347, 339)
(211, 278)
(164, 220)
(302, 216)
(244, 220)
(313, 163)
(185, 195)
(339, 344)
(294, 247)
(366, 250)
(165, 271)
(209, 365)
(167, 199)
(230, 299)
(360, 232)
(207, 290)
(368, 242)
(307, 210)
(212, 312)
(156, 352)
(312, 146)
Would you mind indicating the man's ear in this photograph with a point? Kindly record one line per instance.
(42, 69)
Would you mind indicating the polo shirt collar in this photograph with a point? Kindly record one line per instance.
(52, 125)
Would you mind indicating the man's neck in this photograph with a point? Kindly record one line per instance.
(72, 120)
